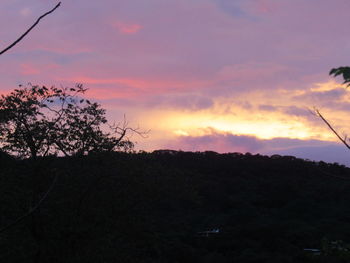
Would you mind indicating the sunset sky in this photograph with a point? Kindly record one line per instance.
(221, 75)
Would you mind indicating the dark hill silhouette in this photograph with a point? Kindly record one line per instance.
(171, 206)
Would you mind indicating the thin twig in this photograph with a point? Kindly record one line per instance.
(32, 210)
(332, 129)
(25, 33)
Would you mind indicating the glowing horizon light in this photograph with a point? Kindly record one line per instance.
(262, 130)
(181, 133)
(200, 124)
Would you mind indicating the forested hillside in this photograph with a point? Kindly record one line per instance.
(169, 206)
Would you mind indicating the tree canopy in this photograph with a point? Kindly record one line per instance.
(40, 121)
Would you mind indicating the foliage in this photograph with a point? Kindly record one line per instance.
(335, 248)
(40, 121)
(344, 71)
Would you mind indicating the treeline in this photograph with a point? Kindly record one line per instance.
(170, 206)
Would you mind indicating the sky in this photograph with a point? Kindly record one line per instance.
(219, 75)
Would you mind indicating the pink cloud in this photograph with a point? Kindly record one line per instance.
(107, 93)
(127, 28)
(25, 11)
(29, 69)
(265, 6)
(138, 86)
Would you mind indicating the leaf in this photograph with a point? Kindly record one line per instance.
(344, 71)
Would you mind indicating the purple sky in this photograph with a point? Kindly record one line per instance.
(223, 75)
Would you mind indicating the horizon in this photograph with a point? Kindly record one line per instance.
(214, 75)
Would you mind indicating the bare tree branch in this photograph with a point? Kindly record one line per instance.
(343, 140)
(123, 132)
(30, 29)
(32, 210)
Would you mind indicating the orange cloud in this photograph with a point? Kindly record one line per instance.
(106, 93)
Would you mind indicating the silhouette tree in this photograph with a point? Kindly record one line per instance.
(40, 121)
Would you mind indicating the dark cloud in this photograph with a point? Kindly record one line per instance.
(232, 7)
(220, 142)
(225, 142)
(343, 106)
(244, 104)
(180, 102)
(289, 110)
(329, 153)
(297, 111)
(267, 108)
(286, 143)
(322, 97)
(190, 102)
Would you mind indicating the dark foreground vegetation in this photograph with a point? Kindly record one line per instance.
(157, 207)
